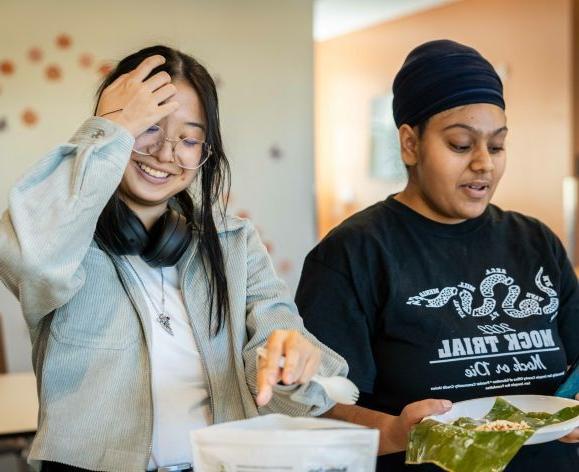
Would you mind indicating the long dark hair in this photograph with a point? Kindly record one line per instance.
(215, 173)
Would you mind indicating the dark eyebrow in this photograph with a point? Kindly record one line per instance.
(197, 125)
(474, 130)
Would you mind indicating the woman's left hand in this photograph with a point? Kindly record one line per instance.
(573, 436)
(302, 360)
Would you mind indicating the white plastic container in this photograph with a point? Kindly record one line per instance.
(279, 443)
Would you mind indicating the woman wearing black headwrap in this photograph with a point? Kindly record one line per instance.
(435, 292)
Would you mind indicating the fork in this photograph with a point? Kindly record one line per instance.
(339, 389)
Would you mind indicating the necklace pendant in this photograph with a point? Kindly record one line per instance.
(165, 323)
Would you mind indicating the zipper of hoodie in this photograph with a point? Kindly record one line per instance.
(196, 336)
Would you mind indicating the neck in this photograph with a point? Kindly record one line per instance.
(410, 197)
(413, 198)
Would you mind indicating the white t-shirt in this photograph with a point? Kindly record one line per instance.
(180, 394)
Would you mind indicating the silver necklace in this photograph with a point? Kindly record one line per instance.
(162, 318)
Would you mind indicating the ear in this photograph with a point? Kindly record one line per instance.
(408, 145)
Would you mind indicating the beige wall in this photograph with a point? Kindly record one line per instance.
(260, 50)
(530, 40)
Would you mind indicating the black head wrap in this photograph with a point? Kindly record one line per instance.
(439, 75)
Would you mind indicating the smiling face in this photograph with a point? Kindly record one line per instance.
(456, 163)
(150, 181)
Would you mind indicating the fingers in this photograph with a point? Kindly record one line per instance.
(142, 102)
(572, 437)
(118, 80)
(294, 361)
(264, 388)
(166, 109)
(311, 367)
(415, 412)
(302, 360)
(165, 92)
(274, 350)
(268, 373)
(157, 81)
(147, 66)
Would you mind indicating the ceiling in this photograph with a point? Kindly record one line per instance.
(336, 17)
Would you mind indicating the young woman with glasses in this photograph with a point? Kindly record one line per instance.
(145, 304)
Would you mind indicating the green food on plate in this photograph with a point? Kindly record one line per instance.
(462, 447)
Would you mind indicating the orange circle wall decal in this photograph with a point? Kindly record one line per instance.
(35, 54)
(105, 68)
(6, 67)
(63, 41)
(53, 72)
(50, 69)
(29, 117)
(85, 60)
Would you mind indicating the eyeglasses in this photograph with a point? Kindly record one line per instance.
(188, 153)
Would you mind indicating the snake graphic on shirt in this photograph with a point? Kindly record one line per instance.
(544, 302)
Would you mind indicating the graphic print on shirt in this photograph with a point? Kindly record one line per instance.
(500, 349)
(529, 306)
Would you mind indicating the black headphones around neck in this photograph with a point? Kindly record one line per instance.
(123, 233)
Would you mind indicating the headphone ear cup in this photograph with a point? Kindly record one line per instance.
(120, 229)
(168, 240)
(134, 233)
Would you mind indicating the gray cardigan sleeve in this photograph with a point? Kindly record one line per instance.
(52, 214)
(270, 307)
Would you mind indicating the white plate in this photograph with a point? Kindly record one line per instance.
(479, 407)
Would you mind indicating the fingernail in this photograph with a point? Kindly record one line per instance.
(446, 404)
(264, 398)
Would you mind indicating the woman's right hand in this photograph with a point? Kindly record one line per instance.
(140, 102)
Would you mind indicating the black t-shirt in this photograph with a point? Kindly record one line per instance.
(421, 309)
